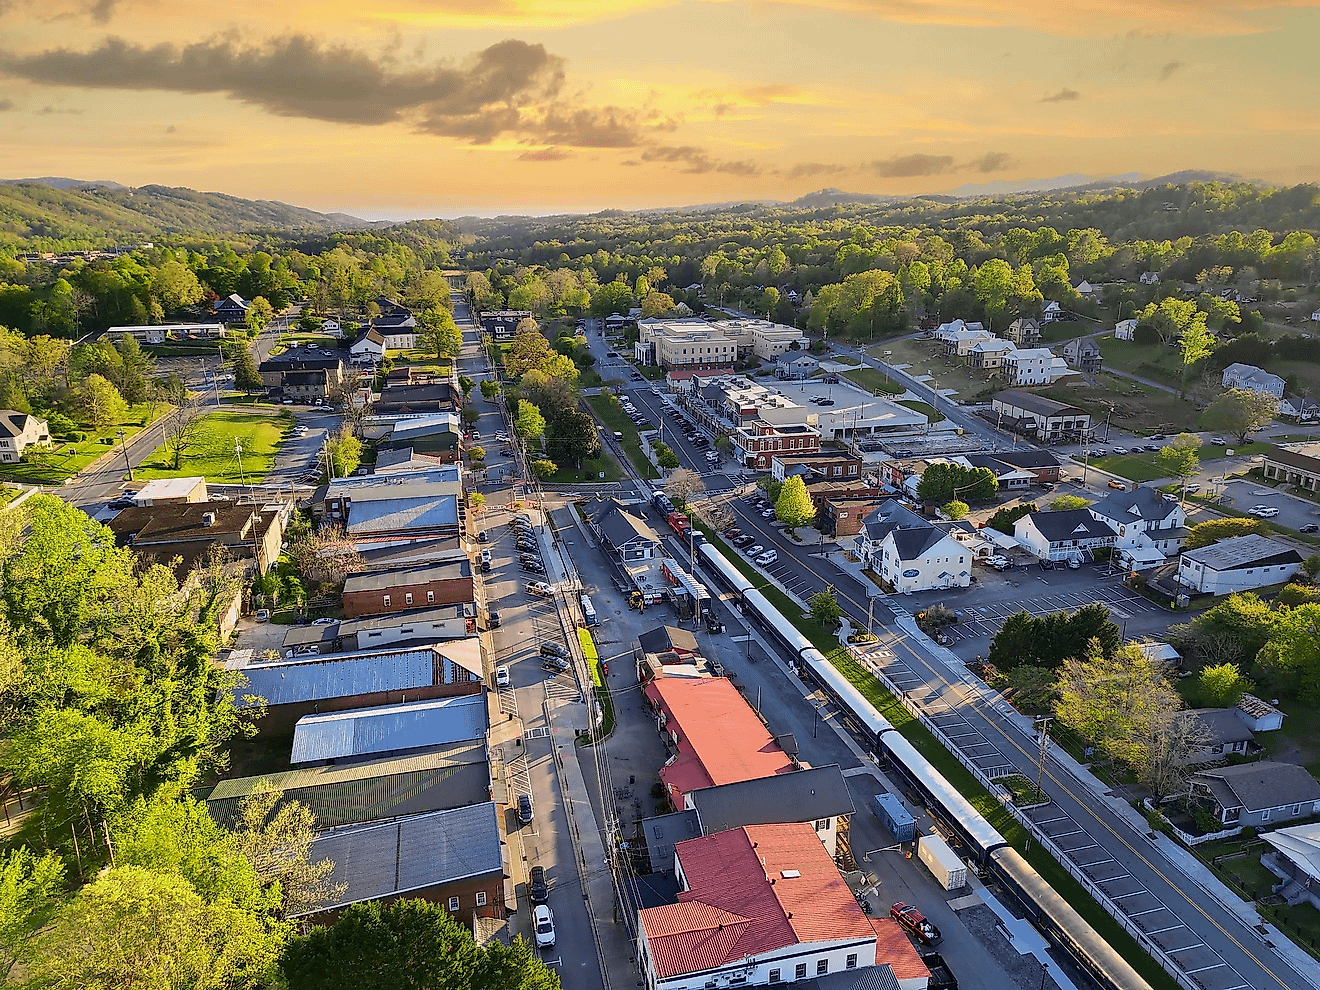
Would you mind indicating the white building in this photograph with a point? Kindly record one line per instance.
(958, 337)
(1053, 311)
(398, 330)
(369, 348)
(1238, 564)
(18, 431)
(1253, 379)
(1070, 535)
(1086, 289)
(1125, 330)
(910, 553)
(1149, 527)
(1150, 278)
(1030, 366)
(687, 344)
(161, 332)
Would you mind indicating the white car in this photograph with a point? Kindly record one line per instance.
(768, 558)
(502, 437)
(755, 550)
(1263, 511)
(544, 920)
(501, 676)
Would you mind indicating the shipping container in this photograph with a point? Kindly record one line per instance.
(943, 862)
(588, 611)
(895, 818)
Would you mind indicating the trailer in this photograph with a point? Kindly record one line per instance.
(588, 611)
(895, 818)
(943, 862)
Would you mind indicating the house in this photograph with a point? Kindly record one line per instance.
(1029, 366)
(1009, 476)
(304, 373)
(1259, 716)
(446, 582)
(1299, 408)
(1237, 564)
(1024, 331)
(1082, 354)
(503, 324)
(989, 355)
(290, 689)
(454, 858)
(1125, 330)
(1253, 379)
(969, 536)
(409, 400)
(398, 331)
(389, 729)
(960, 341)
(1295, 464)
(1256, 794)
(19, 431)
(1086, 289)
(1052, 312)
(875, 527)
(714, 734)
(1149, 527)
(816, 796)
(369, 348)
(669, 639)
(1150, 278)
(1041, 464)
(1295, 859)
(911, 554)
(1040, 417)
(830, 464)
(188, 530)
(232, 308)
(1070, 535)
(757, 905)
(172, 491)
(1224, 734)
(347, 793)
(796, 365)
(624, 535)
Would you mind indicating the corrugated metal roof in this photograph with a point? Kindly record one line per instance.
(393, 577)
(389, 728)
(412, 853)
(404, 513)
(319, 678)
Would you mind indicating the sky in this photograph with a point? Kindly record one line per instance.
(408, 108)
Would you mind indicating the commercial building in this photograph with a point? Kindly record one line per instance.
(1256, 794)
(833, 464)
(757, 443)
(1069, 535)
(1295, 464)
(384, 510)
(910, 553)
(376, 632)
(369, 348)
(172, 491)
(164, 531)
(844, 515)
(399, 589)
(18, 432)
(389, 729)
(161, 332)
(1039, 417)
(1237, 564)
(686, 344)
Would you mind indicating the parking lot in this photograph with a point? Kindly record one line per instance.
(978, 621)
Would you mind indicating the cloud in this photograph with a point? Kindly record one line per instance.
(1168, 69)
(992, 161)
(6, 105)
(907, 166)
(696, 161)
(47, 110)
(1064, 95)
(101, 10)
(544, 155)
(811, 170)
(591, 127)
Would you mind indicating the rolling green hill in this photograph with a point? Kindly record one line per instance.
(37, 216)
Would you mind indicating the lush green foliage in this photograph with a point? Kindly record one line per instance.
(1003, 519)
(942, 483)
(1202, 534)
(793, 507)
(1049, 640)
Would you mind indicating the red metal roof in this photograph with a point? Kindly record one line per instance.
(892, 946)
(721, 740)
(739, 902)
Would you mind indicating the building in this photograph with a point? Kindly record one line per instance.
(1009, 476)
(1039, 417)
(1043, 466)
(756, 444)
(188, 530)
(369, 348)
(391, 509)
(1052, 312)
(398, 330)
(401, 460)
(1224, 734)
(1070, 535)
(375, 632)
(989, 355)
(1253, 379)
(232, 308)
(1082, 354)
(1029, 366)
(624, 535)
(344, 794)
(687, 344)
(757, 905)
(1086, 289)
(161, 332)
(959, 338)
(1256, 794)
(1150, 278)
(503, 324)
(816, 796)
(1024, 331)
(290, 689)
(398, 589)
(715, 736)
(1259, 716)
(407, 399)
(453, 858)
(844, 515)
(435, 437)
(1125, 330)
(1237, 564)
(304, 374)
(796, 365)
(1295, 859)
(1299, 408)
(831, 464)
(1148, 526)
(18, 432)
(910, 553)
(389, 729)
(669, 639)
(1295, 464)
(172, 491)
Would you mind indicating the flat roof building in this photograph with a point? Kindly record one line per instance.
(389, 729)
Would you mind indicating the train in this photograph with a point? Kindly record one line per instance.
(991, 852)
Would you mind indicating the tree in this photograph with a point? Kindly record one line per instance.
(29, 886)
(490, 389)
(326, 555)
(543, 467)
(1066, 502)
(477, 501)
(439, 333)
(467, 385)
(942, 483)
(794, 508)
(246, 376)
(259, 313)
(476, 454)
(99, 403)
(470, 416)
(1213, 530)
(1241, 412)
(683, 484)
(1290, 658)
(1049, 640)
(529, 423)
(1004, 518)
(1179, 459)
(176, 286)
(656, 304)
(343, 453)
(665, 457)
(1031, 689)
(275, 835)
(825, 608)
(956, 509)
(1195, 344)
(1222, 685)
(571, 437)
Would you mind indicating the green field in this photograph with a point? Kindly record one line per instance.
(925, 408)
(874, 381)
(615, 419)
(64, 460)
(212, 455)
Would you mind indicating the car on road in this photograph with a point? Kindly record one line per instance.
(501, 676)
(914, 923)
(324, 622)
(768, 558)
(553, 649)
(1217, 441)
(1263, 511)
(506, 451)
(123, 502)
(1115, 483)
(556, 665)
(501, 437)
(483, 536)
(1310, 528)
(537, 889)
(1159, 436)
(539, 588)
(545, 927)
(525, 808)
(611, 353)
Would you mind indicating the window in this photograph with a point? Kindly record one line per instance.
(481, 898)
(453, 903)
(407, 598)
(386, 601)
(430, 597)
(851, 962)
(801, 973)
(776, 976)
(822, 967)
(822, 824)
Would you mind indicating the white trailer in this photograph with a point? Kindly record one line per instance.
(942, 862)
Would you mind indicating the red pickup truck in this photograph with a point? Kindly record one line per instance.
(914, 923)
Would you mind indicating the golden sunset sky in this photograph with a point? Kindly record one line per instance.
(405, 108)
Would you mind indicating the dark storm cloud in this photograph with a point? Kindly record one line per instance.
(992, 161)
(907, 166)
(696, 161)
(1064, 95)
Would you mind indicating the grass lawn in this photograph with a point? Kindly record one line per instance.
(925, 408)
(64, 460)
(1134, 467)
(612, 415)
(591, 471)
(1058, 331)
(213, 454)
(843, 359)
(926, 357)
(1137, 408)
(875, 382)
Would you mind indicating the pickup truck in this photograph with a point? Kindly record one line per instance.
(914, 923)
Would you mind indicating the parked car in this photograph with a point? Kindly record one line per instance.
(767, 513)
(483, 536)
(324, 622)
(545, 927)
(1161, 436)
(553, 649)
(1310, 528)
(525, 808)
(1216, 441)
(768, 558)
(501, 676)
(263, 615)
(999, 562)
(1263, 511)
(732, 534)
(532, 565)
(743, 541)
(1115, 483)
(1120, 451)
(537, 889)
(493, 618)
(914, 923)
(539, 588)
(754, 551)
(1192, 489)
(556, 665)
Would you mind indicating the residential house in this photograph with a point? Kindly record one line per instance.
(1295, 859)
(397, 330)
(397, 589)
(304, 374)
(1299, 408)
(959, 342)
(172, 491)
(503, 324)
(1256, 794)
(1041, 464)
(1070, 535)
(623, 535)
(454, 858)
(1040, 417)
(755, 444)
(1029, 366)
(821, 464)
(1009, 476)
(1150, 278)
(452, 776)
(1052, 312)
(1125, 330)
(232, 308)
(757, 905)
(1086, 290)
(1149, 527)
(796, 365)
(910, 554)
(406, 400)
(369, 348)
(1237, 564)
(362, 733)
(1253, 379)
(1223, 733)
(1295, 464)
(989, 355)
(18, 432)
(1024, 332)
(290, 689)
(1082, 354)
(187, 531)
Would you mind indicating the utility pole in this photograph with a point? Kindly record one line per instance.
(124, 446)
(1044, 722)
(238, 452)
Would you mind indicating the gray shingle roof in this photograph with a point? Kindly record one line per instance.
(621, 528)
(801, 796)
(1266, 784)
(663, 638)
(1221, 724)
(412, 853)
(1070, 524)
(1137, 503)
(887, 516)
(913, 542)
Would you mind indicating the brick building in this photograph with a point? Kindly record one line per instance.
(446, 582)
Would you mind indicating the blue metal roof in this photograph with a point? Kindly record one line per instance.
(389, 728)
(319, 679)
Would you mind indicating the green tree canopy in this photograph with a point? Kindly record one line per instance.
(793, 507)
(1180, 458)
(941, 483)
(825, 608)
(1240, 412)
(1202, 534)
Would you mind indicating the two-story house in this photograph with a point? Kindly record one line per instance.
(1149, 527)
(1082, 354)
(1024, 331)
(989, 355)
(1070, 535)
(1029, 366)
(18, 431)
(911, 554)
(1252, 379)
